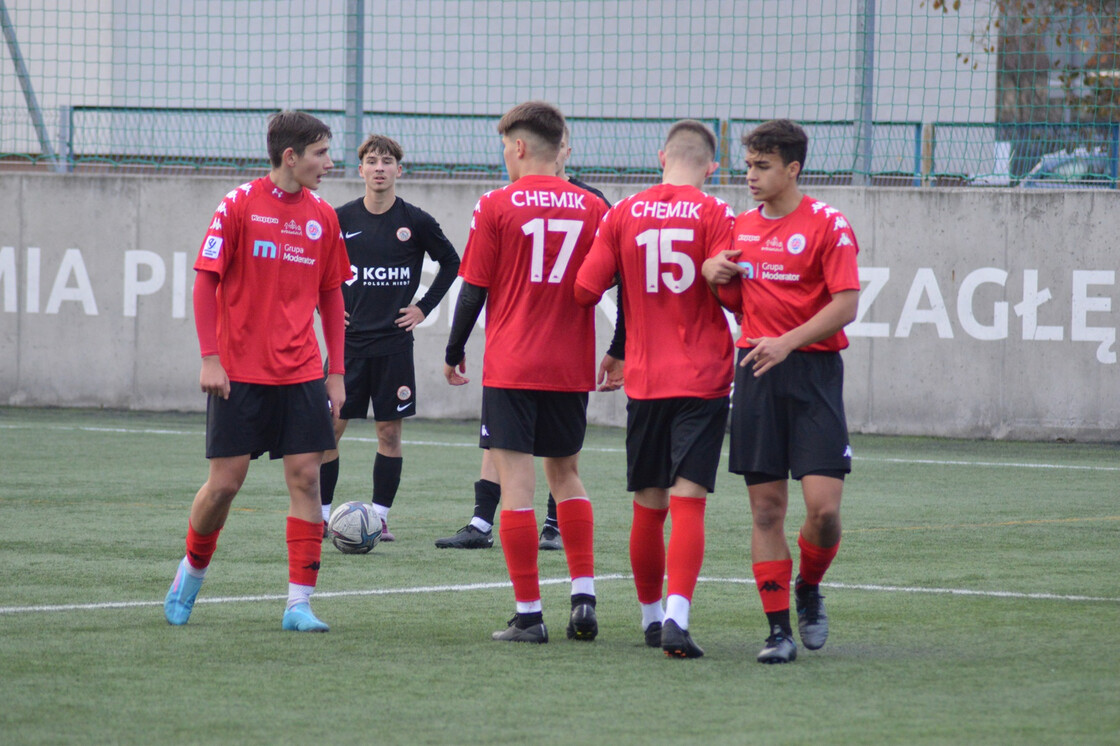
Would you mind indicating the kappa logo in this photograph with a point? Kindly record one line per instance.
(484, 432)
(847, 451)
(772, 586)
(216, 225)
(403, 234)
(313, 566)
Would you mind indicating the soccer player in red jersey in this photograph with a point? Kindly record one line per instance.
(478, 534)
(678, 370)
(272, 254)
(794, 262)
(526, 242)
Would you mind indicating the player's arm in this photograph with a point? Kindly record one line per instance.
(770, 351)
(332, 313)
(212, 379)
(441, 250)
(472, 299)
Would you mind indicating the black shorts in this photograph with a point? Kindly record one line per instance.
(389, 382)
(791, 420)
(282, 420)
(670, 438)
(550, 424)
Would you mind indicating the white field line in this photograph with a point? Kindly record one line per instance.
(466, 587)
(472, 444)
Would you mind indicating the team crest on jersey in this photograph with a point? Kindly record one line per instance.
(404, 393)
(212, 247)
(749, 268)
(314, 230)
(403, 234)
(796, 244)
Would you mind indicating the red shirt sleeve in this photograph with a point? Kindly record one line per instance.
(599, 267)
(332, 314)
(206, 311)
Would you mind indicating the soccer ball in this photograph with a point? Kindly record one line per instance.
(354, 527)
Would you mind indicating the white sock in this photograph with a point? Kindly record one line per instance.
(652, 613)
(193, 571)
(382, 512)
(529, 607)
(676, 608)
(584, 585)
(481, 525)
(299, 594)
(326, 513)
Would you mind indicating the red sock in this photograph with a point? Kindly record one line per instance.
(814, 560)
(577, 527)
(200, 548)
(772, 579)
(518, 531)
(647, 552)
(686, 544)
(305, 546)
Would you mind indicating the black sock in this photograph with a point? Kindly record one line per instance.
(525, 621)
(386, 479)
(779, 620)
(328, 478)
(551, 519)
(487, 495)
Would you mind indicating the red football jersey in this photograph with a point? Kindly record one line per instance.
(678, 342)
(526, 242)
(795, 264)
(273, 253)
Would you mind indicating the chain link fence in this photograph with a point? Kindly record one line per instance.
(918, 92)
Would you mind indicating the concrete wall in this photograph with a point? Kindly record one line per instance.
(983, 313)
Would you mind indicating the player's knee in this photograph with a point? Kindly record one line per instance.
(826, 519)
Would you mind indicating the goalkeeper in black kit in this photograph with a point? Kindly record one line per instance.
(386, 239)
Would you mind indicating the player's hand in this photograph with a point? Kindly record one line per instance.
(213, 378)
(721, 269)
(767, 352)
(610, 374)
(346, 319)
(453, 373)
(409, 317)
(336, 393)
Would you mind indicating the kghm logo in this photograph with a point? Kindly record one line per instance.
(264, 249)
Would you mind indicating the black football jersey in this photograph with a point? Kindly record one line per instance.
(386, 255)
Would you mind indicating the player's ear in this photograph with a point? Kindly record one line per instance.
(712, 168)
(661, 158)
(794, 169)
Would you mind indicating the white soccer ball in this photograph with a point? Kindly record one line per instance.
(354, 527)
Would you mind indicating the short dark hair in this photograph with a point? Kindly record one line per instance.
(539, 119)
(701, 146)
(380, 144)
(295, 130)
(780, 136)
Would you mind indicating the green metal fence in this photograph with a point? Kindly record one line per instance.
(920, 92)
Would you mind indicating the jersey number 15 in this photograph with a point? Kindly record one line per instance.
(658, 244)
